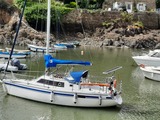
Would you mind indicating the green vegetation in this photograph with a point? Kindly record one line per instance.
(138, 24)
(124, 21)
(36, 10)
(126, 17)
(157, 3)
(72, 5)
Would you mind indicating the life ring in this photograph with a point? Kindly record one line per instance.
(115, 83)
(59, 84)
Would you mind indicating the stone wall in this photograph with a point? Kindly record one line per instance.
(150, 20)
(91, 21)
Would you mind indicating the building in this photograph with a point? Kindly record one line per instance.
(131, 5)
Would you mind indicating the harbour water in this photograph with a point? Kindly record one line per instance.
(140, 96)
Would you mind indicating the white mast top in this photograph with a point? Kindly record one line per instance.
(48, 26)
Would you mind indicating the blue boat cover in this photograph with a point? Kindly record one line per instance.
(77, 76)
(52, 62)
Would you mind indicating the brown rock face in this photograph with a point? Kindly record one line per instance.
(5, 17)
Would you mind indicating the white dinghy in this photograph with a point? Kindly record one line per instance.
(14, 65)
(36, 48)
(151, 72)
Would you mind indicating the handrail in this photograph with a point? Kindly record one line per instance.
(112, 70)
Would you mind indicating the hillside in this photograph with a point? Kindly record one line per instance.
(86, 27)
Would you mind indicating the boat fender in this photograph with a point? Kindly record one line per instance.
(142, 65)
(100, 100)
(75, 98)
(115, 83)
(52, 96)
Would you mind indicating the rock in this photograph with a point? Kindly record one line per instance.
(157, 46)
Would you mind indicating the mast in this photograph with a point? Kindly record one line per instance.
(48, 26)
(48, 29)
(17, 31)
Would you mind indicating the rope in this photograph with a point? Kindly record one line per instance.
(15, 38)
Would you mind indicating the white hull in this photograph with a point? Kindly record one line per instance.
(147, 60)
(35, 48)
(13, 56)
(10, 67)
(59, 47)
(26, 52)
(152, 73)
(58, 96)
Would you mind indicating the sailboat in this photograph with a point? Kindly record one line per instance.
(71, 89)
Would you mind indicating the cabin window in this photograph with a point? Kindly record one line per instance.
(49, 82)
(44, 81)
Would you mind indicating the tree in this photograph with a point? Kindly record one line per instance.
(157, 3)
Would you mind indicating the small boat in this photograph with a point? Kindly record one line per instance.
(63, 45)
(14, 65)
(151, 72)
(150, 59)
(36, 48)
(60, 46)
(27, 52)
(5, 54)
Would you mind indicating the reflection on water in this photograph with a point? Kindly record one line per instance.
(142, 100)
(20, 109)
(140, 96)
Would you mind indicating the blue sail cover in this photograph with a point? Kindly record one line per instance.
(52, 62)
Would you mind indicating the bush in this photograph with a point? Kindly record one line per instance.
(38, 11)
(138, 24)
(71, 5)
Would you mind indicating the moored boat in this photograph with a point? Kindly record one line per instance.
(150, 59)
(36, 48)
(27, 52)
(5, 54)
(151, 72)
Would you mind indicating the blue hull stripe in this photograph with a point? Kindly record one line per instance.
(28, 88)
(48, 92)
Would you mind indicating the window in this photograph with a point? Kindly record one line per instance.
(129, 6)
(141, 6)
(49, 82)
(44, 81)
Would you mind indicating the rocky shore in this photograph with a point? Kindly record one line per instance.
(101, 37)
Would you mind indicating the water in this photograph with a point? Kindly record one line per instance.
(140, 96)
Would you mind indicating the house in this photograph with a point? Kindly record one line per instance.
(131, 5)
